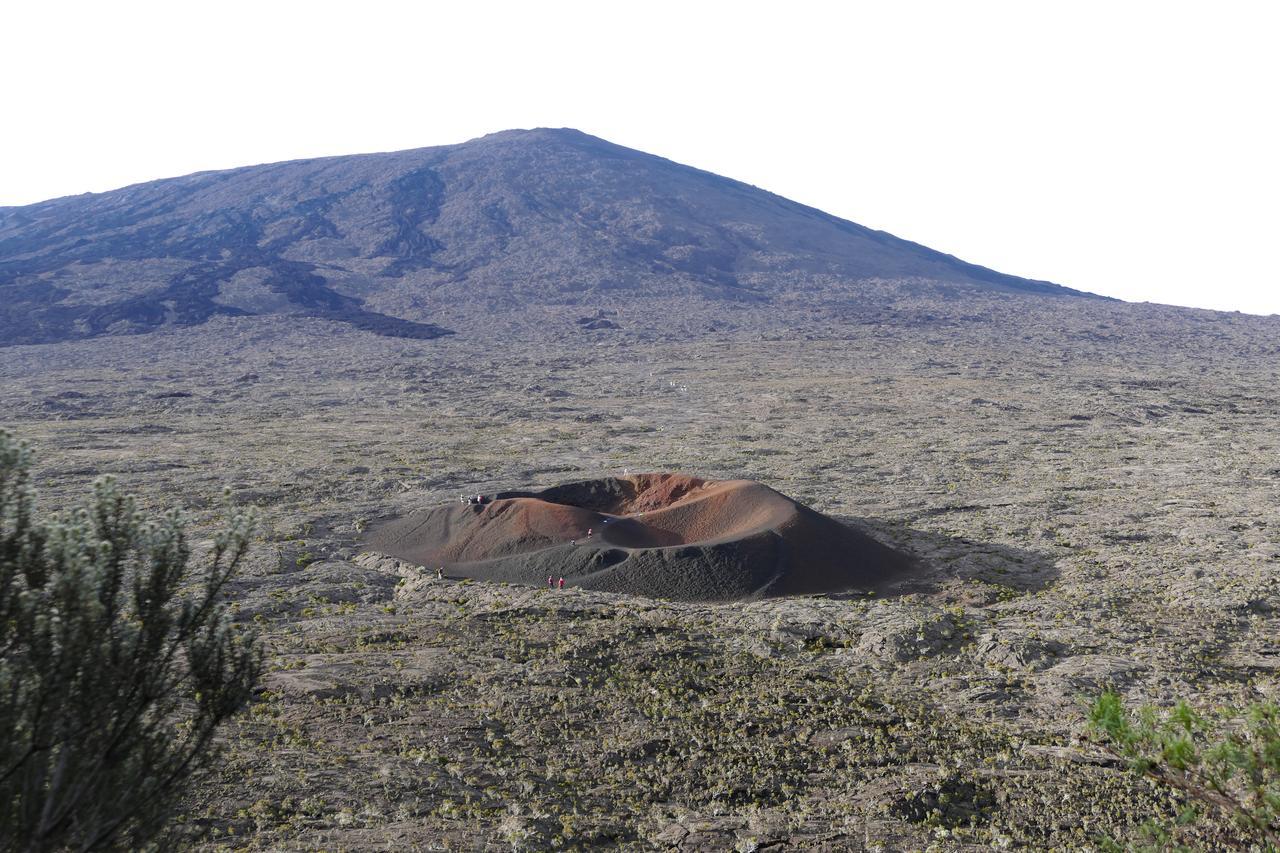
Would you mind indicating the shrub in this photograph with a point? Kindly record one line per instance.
(114, 673)
(1232, 766)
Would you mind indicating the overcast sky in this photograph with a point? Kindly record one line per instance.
(1126, 148)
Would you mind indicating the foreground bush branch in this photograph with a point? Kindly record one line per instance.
(1232, 766)
(114, 678)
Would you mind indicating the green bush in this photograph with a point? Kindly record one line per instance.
(114, 673)
(1231, 765)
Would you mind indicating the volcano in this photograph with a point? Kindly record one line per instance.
(660, 535)
(410, 243)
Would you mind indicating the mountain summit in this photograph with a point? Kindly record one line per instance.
(386, 241)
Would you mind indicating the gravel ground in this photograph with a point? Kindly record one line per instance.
(1091, 489)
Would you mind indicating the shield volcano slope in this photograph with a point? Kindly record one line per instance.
(659, 535)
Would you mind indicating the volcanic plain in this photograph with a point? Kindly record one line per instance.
(1092, 502)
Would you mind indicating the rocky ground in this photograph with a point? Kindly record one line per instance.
(1092, 489)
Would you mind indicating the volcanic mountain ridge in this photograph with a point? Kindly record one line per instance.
(391, 243)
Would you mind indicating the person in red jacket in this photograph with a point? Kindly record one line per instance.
(562, 583)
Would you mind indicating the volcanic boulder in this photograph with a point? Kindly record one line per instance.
(661, 535)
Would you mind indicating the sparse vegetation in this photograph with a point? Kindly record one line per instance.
(406, 712)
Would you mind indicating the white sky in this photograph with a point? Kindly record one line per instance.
(1126, 148)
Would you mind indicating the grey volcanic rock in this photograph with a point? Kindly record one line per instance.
(662, 535)
(390, 242)
(1066, 540)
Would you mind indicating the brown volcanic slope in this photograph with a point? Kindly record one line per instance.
(662, 535)
(391, 243)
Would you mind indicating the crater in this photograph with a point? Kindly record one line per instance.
(663, 535)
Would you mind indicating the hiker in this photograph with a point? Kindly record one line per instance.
(588, 532)
(550, 584)
(562, 583)
(440, 573)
